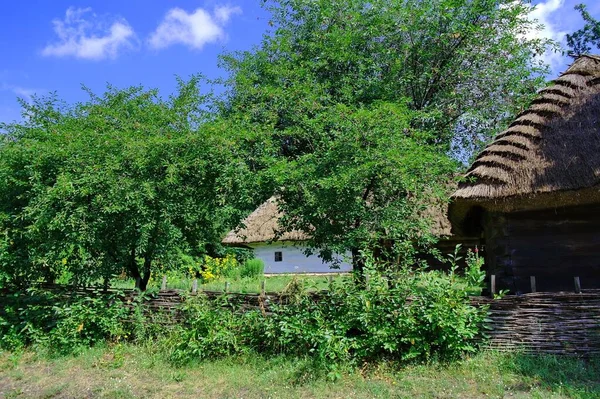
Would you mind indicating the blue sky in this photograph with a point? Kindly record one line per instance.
(60, 44)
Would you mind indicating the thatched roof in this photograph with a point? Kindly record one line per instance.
(262, 226)
(548, 157)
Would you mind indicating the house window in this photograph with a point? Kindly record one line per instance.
(278, 256)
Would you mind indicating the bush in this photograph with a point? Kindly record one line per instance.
(252, 268)
(414, 316)
(419, 315)
(214, 330)
(61, 322)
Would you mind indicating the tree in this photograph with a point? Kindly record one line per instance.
(367, 189)
(362, 102)
(581, 40)
(460, 63)
(126, 181)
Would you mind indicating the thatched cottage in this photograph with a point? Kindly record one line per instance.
(281, 254)
(533, 194)
(285, 253)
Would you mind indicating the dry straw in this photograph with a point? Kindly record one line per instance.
(262, 226)
(548, 157)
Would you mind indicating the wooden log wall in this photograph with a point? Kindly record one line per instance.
(553, 245)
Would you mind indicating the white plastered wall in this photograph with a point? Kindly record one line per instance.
(294, 260)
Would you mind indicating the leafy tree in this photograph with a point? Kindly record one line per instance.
(361, 103)
(126, 181)
(581, 40)
(366, 185)
(464, 65)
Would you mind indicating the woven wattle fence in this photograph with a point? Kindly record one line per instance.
(550, 322)
(543, 322)
(553, 323)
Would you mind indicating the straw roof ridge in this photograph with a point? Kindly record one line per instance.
(553, 146)
(262, 225)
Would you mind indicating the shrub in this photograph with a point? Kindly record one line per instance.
(414, 316)
(419, 315)
(61, 322)
(252, 268)
(214, 268)
(214, 330)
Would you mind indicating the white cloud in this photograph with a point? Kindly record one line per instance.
(192, 29)
(92, 38)
(544, 13)
(23, 92)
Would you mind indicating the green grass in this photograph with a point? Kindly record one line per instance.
(272, 283)
(128, 371)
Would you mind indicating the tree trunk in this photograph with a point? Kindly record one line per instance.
(134, 271)
(358, 266)
(106, 283)
(143, 283)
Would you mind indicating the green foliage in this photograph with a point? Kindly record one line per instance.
(215, 268)
(252, 268)
(123, 182)
(356, 106)
(475, 272)
(581, 41)
(214, 331)
(60, 323)
(464, 65)
(367, 182)
(416, 316)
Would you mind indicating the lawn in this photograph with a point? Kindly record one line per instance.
(245, 285)
(128, 371)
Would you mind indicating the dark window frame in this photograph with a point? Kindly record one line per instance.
(278, 256)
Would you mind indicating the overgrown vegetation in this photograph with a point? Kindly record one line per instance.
(356, 114)
(418, 315)
(126, 182)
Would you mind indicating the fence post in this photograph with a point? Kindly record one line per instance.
(577, 285)
(330, 278)
(262, 287)
(163, 286)
(226, 286)
(533, 287)
(492, 284)
(195, 286)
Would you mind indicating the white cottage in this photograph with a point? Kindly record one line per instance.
(284, 255)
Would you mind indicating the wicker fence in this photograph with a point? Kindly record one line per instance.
(556, 323)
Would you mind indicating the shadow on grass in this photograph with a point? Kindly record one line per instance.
(571, 375)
